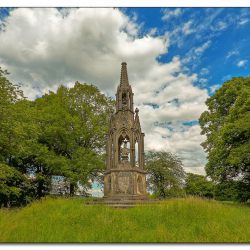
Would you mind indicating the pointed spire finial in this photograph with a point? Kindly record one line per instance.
(124, 74)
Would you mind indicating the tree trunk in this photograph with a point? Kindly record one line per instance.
(40, 188)
(71, 189)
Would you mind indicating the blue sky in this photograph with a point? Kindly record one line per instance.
(226, 29)
(176, 57)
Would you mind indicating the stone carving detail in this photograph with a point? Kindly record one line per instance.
(125, 147)
(124, 184)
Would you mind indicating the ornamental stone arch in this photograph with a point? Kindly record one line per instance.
(124, 144)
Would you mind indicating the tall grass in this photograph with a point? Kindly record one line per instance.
(177, 220)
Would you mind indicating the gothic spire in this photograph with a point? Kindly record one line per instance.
(124, 75)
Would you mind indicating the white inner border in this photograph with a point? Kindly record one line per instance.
(125, 3)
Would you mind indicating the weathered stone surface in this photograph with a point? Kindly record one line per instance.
(125, 177)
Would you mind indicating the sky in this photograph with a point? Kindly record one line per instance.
(176, 59)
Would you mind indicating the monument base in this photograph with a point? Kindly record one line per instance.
(125, 183)
(122, 197)
(122, 202)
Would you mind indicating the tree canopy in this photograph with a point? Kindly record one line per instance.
(61, 133)
(227, 127)
(166, 174)
(198, 185)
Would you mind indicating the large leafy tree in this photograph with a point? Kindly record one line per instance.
(9, 95)
(61, 133)
(227, 127)
(166, 175)
(198, 185)
(14, 185)
(73, 122)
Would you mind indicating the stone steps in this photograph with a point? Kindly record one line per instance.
(121, 203)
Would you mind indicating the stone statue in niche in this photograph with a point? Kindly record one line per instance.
(124, 150)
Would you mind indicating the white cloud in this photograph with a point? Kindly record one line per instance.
(203, 81)
(185, 143)
(168, 14)
(204, 71)
(231, 53)
(153, 32)
(242, 63)
(195, 53)
(202, 48)
(214, 88)
(43, 48)
(186, 29)
(243, 21)
(220, 25)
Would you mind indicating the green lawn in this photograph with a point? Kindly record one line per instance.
(176, 220)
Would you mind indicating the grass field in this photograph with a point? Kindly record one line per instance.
(176, 220)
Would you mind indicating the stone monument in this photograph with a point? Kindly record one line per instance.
(125, 177)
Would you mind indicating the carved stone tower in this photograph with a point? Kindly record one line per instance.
(125, 177)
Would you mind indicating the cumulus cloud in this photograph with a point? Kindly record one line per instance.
(43, 48)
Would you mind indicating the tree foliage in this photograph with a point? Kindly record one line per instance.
(227, 127)
(198, 185)
(166, 174)
(74, 124)
(9, 92)
(61, 133)
(15, 188)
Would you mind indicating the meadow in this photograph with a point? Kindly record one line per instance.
(174, 220)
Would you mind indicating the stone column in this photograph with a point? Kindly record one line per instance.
(132, 151)
(116, 145)
(142, 153)
(108, 152)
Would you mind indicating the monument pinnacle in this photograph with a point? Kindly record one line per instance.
(124, 75)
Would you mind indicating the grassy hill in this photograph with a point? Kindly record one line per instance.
(176, 220)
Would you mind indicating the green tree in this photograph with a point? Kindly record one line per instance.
(9, 92)
(14, 187)
(61, 133)
(166, 175)
(198, 185)
(9, 95)
(227, 127)
(226, 191)
(73, 122)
